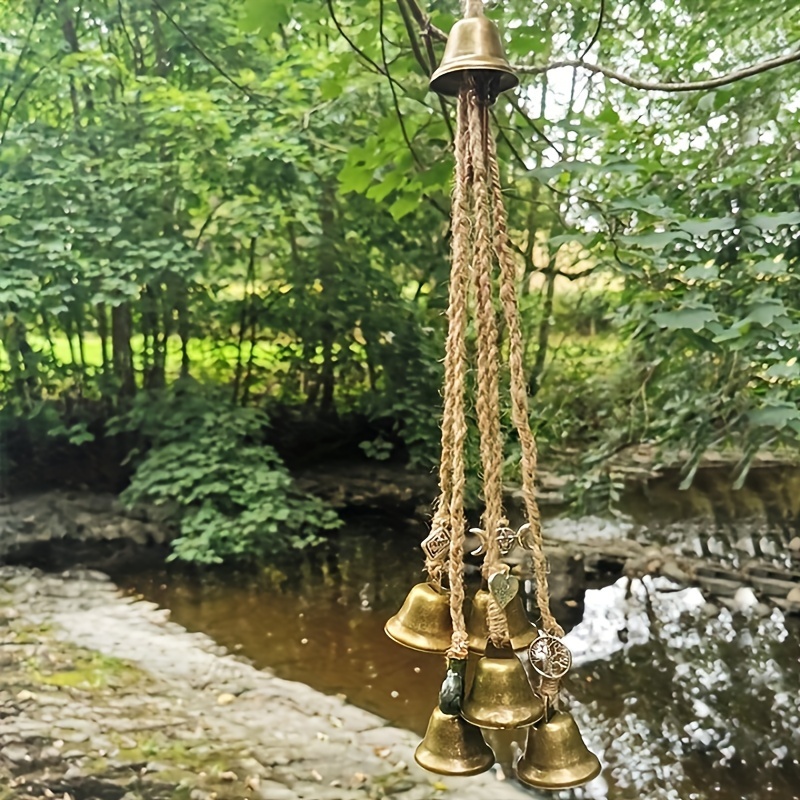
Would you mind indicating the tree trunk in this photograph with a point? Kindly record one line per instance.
(544, 330)
(121, 331)
(182, 307)
(22, 362)
(245, 315)
(101, 315)
(327, 272)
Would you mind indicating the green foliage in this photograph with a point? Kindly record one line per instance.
(681, 208)
(255, 195)
(230, 493)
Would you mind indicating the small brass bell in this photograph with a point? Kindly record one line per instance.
(423, 622)
(474, 46)
(501, 695)
(555, 755)
(520, 630)
(453, 747)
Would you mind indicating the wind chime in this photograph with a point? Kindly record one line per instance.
(518, 677)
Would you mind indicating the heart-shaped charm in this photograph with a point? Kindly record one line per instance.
(504, 588)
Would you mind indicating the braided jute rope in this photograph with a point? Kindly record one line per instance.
(473, 8)
(452, 444)
(519, 396)
(488, 358)
(455, 382)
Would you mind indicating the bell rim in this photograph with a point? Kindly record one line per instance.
(470, 62)
(569, 774)
(508, 78)
(454, 772)
(500, 727)
(415, 641)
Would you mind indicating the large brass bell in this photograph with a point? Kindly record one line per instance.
(423, 621)
(501, 695)
(555, 755)
(474, 46)
(520, 630)
(453, 747)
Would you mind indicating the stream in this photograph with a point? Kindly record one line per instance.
(681, 697)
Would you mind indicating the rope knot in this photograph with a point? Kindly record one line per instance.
(473, 8)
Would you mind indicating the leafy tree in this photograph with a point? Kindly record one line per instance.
(627, 170)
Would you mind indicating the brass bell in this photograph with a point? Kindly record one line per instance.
(423, 621)
(520, 630)
(501, 695)
(555, 755)
(475, 46)
(453, 747)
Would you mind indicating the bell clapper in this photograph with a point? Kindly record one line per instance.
(451, 694)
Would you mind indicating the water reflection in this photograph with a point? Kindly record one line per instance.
(685, 700)
(682, 700)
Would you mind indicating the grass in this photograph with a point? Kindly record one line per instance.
(205, 354)
(209, 358)
(90, 671)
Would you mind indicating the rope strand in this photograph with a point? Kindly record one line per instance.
(488, 390)
(456, 381)
(473, 8)
(519, 397)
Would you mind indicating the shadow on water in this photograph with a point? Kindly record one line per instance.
(681, 699)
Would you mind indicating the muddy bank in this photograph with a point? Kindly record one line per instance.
(103, 698)
(60, 528)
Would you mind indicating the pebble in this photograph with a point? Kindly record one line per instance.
(271, 790)
(16, 753)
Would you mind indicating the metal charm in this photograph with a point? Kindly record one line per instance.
(435, 544)
(504, 588)
(550, 657)
(506, 539)
(451, 695)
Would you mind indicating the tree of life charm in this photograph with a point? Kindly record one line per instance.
(550, 657)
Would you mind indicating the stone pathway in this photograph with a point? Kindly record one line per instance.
(103, 698)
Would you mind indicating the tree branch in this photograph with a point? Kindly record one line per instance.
(666, 86)
(428, 64)
(517, 103)
(18, 99)
(392, 87)
(424, 22)
(356, 49)
(593, 40)
(21, 55)
(412, 38)
(207, 58)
